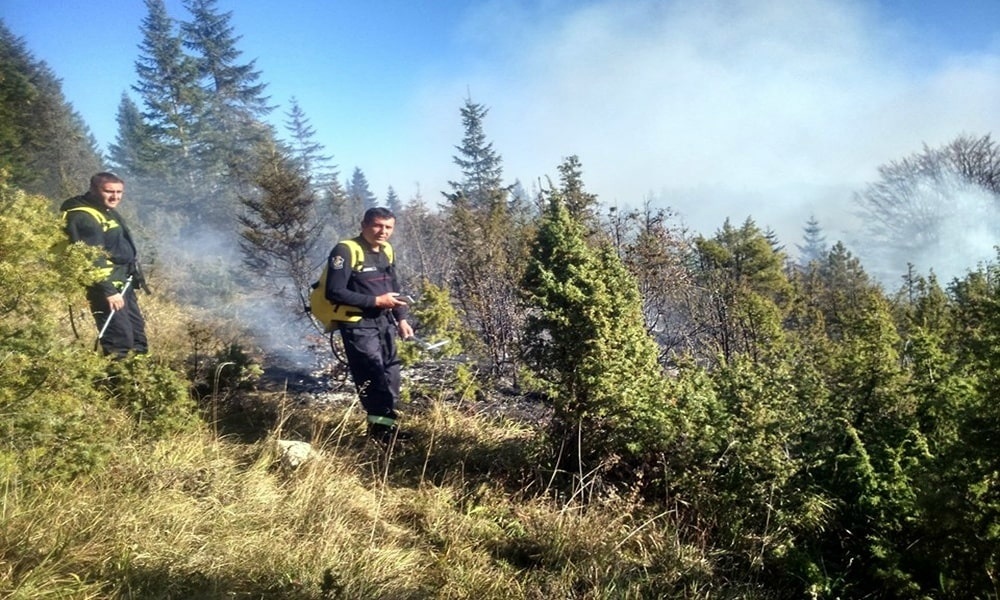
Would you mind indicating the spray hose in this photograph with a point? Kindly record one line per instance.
(97, 342)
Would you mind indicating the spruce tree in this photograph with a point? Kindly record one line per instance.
(489, 244)
(168, 86)
(232, 85)
(392, 200)
(279, 226)
(481, 166)
(813, 243)
(134, 152)
(232, 125)
(44, 144)
(359, 195)
(342, 216)
(305, 150)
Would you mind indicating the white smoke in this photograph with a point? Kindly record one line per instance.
(951, 227)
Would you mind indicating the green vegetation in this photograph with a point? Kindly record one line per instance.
(844, 447)
(622, 411)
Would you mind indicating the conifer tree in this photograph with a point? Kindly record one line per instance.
(359, 195)
(426, 245)
(170, 92)
(743, 276)
(308, 156)
(492, 244)
(845, 285)
(134, 152)
(307, 152)
(656, 253)
(233, 86)
(392, 200)
(813, 243)
(44, 144)
(958, 369)
(585, 336)
(53, 414)
(481, 166)
(280, 228)
(343, 217)
(580, 203)
(232, 124)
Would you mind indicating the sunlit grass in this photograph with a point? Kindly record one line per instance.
(455, 515)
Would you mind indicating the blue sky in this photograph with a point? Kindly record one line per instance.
(720, 109)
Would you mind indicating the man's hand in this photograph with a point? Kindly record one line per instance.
(389, 300)
(405, 331)
(116, 302)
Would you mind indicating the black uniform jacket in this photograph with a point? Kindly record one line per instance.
(116, 241)
(347, 284)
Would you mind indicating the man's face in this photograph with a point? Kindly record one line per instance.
(377, 231)
(110, 193)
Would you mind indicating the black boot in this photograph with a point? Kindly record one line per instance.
(387, 434)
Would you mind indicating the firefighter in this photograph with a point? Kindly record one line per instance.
(92, 218)
(361, 274)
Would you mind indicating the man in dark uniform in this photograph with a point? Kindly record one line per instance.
(371, 286)
(92, 219)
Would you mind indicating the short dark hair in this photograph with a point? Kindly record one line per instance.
(379, 212)
(104, 176)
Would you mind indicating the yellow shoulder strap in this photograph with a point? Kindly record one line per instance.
(101, 218)
(358, 253)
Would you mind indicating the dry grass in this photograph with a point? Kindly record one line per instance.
(455, 515)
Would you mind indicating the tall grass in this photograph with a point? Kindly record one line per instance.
(451, 516)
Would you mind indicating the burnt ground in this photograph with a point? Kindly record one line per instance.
(303, 398)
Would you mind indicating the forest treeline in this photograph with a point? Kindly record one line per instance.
(814, 431)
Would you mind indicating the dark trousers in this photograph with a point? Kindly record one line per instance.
(370, 347)
(127, 330)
